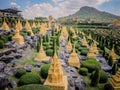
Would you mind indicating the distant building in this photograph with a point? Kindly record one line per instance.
(10, 13)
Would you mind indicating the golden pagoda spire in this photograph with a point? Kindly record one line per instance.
(28, 27)
(84, 41)
(115, 80)
(112, 54)
(91, 53)
(17, 37)
(69, 45)
(89, 36)
(5, 26)
(19, 25)
(33, 25)
(94, 46)
(41, 56)
(73, 59)
(56, 79)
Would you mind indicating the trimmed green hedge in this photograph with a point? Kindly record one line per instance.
(91, 65)
(29, 78)
(20, 73)
(108, 87)
(33, 87)
(84, 52)
(49, 52)
(103, 77)
(44, 71)
(2, 44)
(83, 71)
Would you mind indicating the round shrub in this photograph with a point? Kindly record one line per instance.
(83, 71)
(33, 87)
(108, 87)
(103, 77)
(44, 71)
(84, 52)
(29, 33)
(49, 52)
(2, 44)
(4, 38)
(29, 78)
(20, 73)
(91, 65)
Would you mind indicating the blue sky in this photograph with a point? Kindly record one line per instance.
(58, 8)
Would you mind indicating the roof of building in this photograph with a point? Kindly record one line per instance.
(10, 10)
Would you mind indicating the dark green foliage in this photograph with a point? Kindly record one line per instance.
(103, 77)
(29, 33)
(4, 38)
(29, 78)
(95, 78)
(108, 87)
(20, 73)
(44, 71)
(83, 71)
(33, 87)
(2, 44)
(114, 69)
(91, 65)
(110, 61)
(38, 46)
(10, 37)
(50, 52)
(84, 52)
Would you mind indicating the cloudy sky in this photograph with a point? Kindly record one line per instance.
(58, 8)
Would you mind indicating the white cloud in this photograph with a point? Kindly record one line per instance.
(61, 8)
(14, 4)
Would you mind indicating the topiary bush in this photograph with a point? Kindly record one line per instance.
(84, 52)
(2, 44)
(91, 65)
(103, 77)
(33, 87)
(29, 78)
(20, 73)
(95, 78)
(108, 87)
(44, 71)
(49, 52)
(83, 71)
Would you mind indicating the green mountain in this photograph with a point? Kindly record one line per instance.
(92, 14)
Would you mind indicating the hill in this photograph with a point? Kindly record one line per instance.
(92, 14)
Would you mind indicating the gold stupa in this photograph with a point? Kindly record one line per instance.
(28, 27)
(91, 53)
(115, 80)
(41, 56)
(84, 41)
(89, 36)
(38, 25)
(69, 46)
(73, 59)
(19, 25)
(5, 26)
(17, 37)
(56, 79)
(42, 29)
(94, 46)
(33, 25)
(61, 37)
(112, 54)
(64, 32)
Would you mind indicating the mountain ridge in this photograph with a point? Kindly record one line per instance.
(93, 14)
